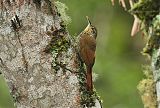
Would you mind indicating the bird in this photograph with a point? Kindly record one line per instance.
(87, 49)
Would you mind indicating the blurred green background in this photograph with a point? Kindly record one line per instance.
(118, 59)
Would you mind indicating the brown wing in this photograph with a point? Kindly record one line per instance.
(87, 49)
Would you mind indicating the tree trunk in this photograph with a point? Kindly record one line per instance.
(148, 11)
(38, 58)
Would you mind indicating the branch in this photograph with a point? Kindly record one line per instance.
(147, 13)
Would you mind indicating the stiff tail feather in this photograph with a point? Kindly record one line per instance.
(89, 79)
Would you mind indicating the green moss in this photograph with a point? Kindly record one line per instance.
(147, 89)
(146, 9)
(148, 94)
(87, 98)
(59, 43)
(62, 12)
(153, 36)
(58, 46)
(148, 12)
(15, 94)
(147, 72)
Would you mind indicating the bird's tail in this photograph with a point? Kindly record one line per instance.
(89, 79)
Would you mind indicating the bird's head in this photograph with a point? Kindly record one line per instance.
(90, 29)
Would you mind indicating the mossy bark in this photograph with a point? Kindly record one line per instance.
(148, 11)
(37, 56)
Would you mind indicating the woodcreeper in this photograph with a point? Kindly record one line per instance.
(87, 48)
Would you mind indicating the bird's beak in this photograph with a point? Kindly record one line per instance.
(89, 22)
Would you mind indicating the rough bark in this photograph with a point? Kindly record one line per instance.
(155, 64)
(37, 57)
(148, 12)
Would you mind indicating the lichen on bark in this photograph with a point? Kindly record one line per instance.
(147, 89)
(37, 85)
(148, 12)
(38, 60)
